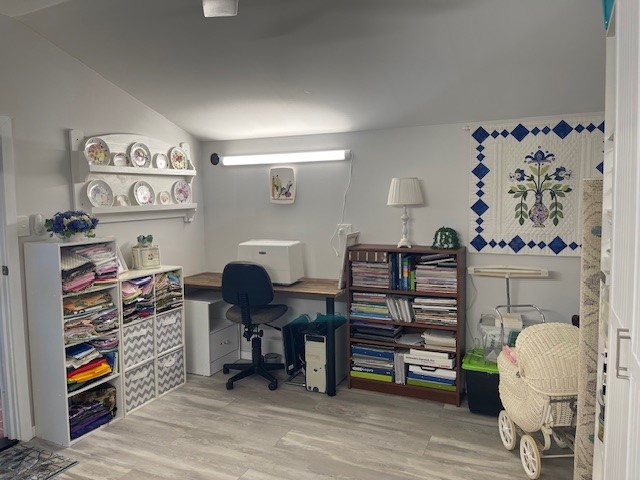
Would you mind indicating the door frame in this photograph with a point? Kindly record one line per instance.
(14, 370)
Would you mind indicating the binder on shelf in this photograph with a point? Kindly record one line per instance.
(372, 376)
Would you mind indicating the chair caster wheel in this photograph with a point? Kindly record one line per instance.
(229, 385)
(273, 385)
(225, 370)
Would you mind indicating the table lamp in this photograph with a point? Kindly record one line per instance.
(404, 192)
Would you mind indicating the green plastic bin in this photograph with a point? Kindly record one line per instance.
(482, 383)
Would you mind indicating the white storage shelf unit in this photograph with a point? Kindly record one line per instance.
(153, 345)
(122, 178)
(211, 339)
(46, 339)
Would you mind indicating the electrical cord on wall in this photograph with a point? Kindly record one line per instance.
(344, 204)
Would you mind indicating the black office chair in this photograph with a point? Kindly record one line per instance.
(247, 286)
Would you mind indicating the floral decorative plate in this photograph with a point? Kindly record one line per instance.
(143, 193)
(178, 158)
(164, 198)
(182, 192)
(160, 160)
(123, 200)
(140, 155)
(99, 193)
(120, 159)
(96, 151)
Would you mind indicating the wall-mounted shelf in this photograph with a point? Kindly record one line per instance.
(121, 179)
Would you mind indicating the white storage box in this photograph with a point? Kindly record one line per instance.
(282, 259)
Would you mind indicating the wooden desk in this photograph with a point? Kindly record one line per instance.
(306, 288)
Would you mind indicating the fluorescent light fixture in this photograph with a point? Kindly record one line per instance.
(293, 157)
(220, 8)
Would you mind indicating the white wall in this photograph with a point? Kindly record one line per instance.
(46, 92)
(239, 209)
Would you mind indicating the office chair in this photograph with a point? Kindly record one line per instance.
(247, 286)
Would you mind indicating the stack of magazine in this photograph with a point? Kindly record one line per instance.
(372, 362)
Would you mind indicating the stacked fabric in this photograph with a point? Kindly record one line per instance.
(137, 299)
(168, 291)
(88, 316)
(86, 416)
(84, 363)
(77, 271)
(104, 259)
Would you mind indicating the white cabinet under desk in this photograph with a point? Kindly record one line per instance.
(211, 339)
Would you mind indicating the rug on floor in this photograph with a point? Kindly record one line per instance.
(23, 462)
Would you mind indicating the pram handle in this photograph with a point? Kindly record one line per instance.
(509, 307)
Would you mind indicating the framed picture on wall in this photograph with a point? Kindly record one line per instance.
(283, 185)
(350, 240)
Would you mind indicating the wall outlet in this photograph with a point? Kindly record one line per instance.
(344, 228)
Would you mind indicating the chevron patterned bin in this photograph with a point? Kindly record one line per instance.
(137, 343)
(139, 385)
(168, 331)
(170, 371)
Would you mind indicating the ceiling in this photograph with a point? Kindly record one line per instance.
(296, 67)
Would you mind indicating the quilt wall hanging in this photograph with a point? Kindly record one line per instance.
(525, 184)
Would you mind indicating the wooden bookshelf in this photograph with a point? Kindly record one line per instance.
(382, 254)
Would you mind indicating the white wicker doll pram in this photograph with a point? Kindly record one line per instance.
(540, 392)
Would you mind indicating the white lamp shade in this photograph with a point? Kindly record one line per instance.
(405, 191)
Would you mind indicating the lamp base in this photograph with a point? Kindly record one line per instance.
(404, 243)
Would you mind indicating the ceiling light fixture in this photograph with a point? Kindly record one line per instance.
(293, 157)
(220, 8)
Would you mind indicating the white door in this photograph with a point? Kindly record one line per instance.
(622, 414)
(14, 378)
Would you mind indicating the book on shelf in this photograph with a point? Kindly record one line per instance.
(430, 378)
(369, 361)
(373, 350)
(435, 372)
(370, 369)
(426, 384)
(372, 376)
(430, 359)
(439, 338)
(371, 257)
(399, 365)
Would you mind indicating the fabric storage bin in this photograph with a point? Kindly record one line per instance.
(138, 343)
(170, 371)
(168, 331)
(139, 385)
(482, 383)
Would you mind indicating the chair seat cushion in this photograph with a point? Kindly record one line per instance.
(259, 315)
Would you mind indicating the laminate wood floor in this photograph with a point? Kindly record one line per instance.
(203, 431)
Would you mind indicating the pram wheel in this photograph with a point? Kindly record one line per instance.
(530, 456)
(559, 440)
(507, 430)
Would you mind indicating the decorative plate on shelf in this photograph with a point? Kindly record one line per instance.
(143, 193)
(123, 200)
(96, 151)
(99, 193)
(140, 155)
(164, 198)
(182, 192)
(178, 158)
(160, 160)
(120, 159)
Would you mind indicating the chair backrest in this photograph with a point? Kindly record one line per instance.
(246, 280)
